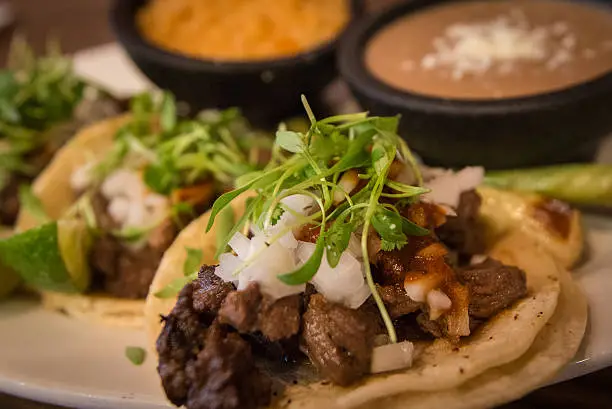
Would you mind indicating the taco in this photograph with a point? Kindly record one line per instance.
(43, 103)
(354, 276)
(105, 210)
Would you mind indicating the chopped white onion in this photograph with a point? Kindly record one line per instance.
(298, 204)
(478, 258)
(123, 182)
(343, 284)
(81, 178)
(268, 263)
(354, 246)
(130, 204)
(271, 262)
(447, 186)
(228, 263)
(391, 357)
(240, 244)
(417, 291)
(119, 209)
(438, 303)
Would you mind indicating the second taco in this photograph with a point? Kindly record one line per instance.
(103, 212)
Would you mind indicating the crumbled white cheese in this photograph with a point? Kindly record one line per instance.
(474, 48)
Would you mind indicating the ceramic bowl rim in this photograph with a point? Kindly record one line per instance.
(353, 69)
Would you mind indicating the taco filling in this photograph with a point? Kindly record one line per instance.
(43, 104)
(161, 172)
(348, 258)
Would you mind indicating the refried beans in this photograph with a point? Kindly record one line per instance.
(493, 49)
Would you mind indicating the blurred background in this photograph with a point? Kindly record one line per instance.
(80, 24)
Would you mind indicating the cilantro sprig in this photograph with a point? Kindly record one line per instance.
(318, 159)
(176, 152)
(35, 95)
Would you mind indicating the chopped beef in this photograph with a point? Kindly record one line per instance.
(281, 352)
(249, 310)
(162, 236)
(463, 232)
(493, 287)
(407, 328)
(103, 257)
(123, 272)
(209, 291)
(280, 319)
(424, 214)
(434, 328)
(181, 338)
(338, 340)
(397, 301)
(224, 375)
(99, 205)
(392, 266)
(240, 308)
(9, 201)
(120, 270)
(205, 367)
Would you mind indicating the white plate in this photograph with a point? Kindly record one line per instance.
(46, 357)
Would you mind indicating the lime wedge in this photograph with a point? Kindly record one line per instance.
(52, 256)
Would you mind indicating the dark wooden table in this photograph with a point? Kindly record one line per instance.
(83, 23)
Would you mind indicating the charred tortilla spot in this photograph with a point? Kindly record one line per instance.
(555, 215)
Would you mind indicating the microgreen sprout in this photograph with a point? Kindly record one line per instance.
(311, 163)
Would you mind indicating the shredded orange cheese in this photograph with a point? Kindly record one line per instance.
(241, 29)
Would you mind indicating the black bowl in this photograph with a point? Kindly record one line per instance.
(555, 127)
(266, 91)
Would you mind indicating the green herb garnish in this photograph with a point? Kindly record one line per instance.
(136, 355)
(32, 204)
(179, 152)
(330, 147)
(193, 261)
(35, 95)
(175, 287)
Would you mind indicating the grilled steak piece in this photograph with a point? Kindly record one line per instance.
(463, 232)
(434, 328)
(205, 367)
(224, 376)
(249, 311)
(280, 319)
(240, 308)
(493, 287)
(338, 340)
(9, 200)
(397, 301)
(122, 271)
(209, 291)
(180, 340)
